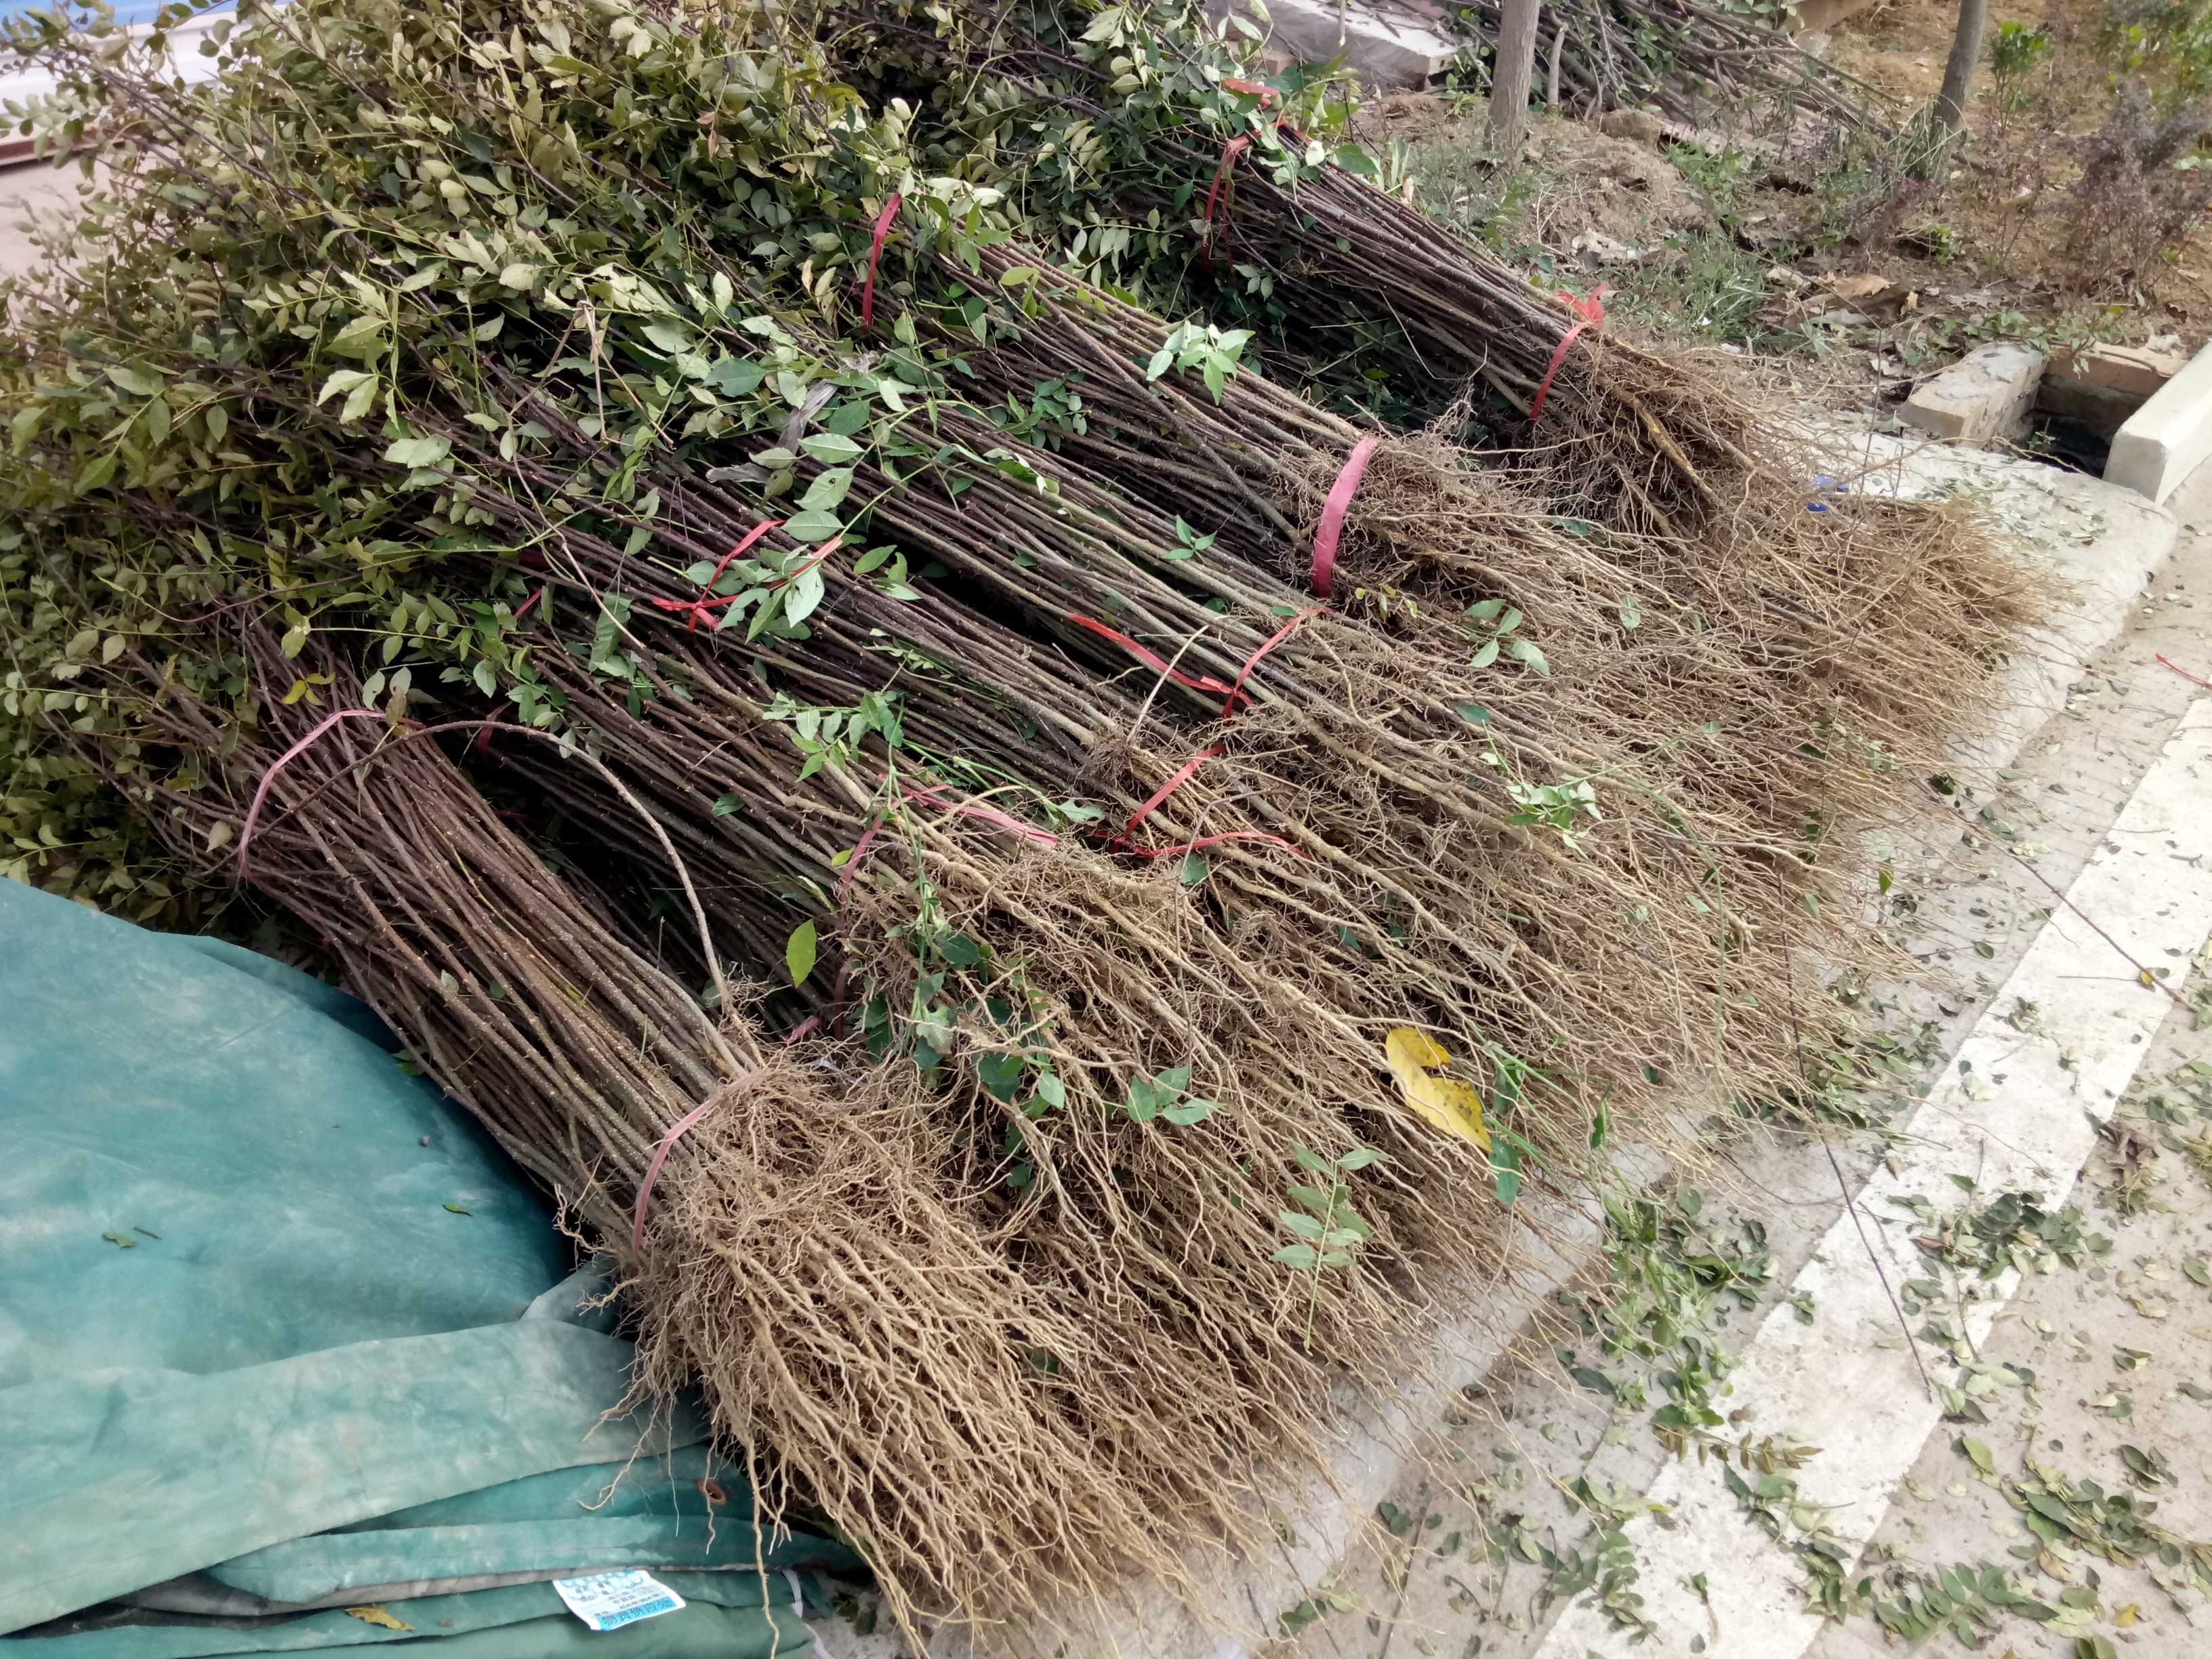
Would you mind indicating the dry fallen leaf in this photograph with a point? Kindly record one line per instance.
(1451, 1105)
(1856, 288)
(377, 1616)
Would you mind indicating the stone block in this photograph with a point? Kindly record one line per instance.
(2135, 371)
(1985, 395)
(2169, 437)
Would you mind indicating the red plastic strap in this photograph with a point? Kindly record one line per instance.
(934, 796)
(1253, 661)
(1153, 660)
(1122, 845)
(859, 851)
(661, 1152)
(1181, 776)
(1333, 511)
(1592, 313)
(284, 760)
(1215, 194)
(706, 601)
(1264, 94)
(875, 253)
(2184, 674)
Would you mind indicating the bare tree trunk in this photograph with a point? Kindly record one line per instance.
(1559, 49)
(1510, 74)
(1959, 73)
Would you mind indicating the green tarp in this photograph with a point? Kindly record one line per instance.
(278, 1324)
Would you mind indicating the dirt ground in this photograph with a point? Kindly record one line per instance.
(1824, 266)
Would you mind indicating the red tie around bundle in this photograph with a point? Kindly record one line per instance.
(1592, 313)
(1218, 192)
(706, 601)
(876, 253)
(689, 1121)
(1332, 514)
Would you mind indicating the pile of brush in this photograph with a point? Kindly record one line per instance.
(1703, 64)
(759, 576)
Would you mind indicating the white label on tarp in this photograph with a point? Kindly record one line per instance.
(608, 1601)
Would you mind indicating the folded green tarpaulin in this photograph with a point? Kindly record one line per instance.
(276, 1317)
(724, 1618)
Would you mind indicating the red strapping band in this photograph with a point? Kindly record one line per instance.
(1217, 191)
(1252, 88)
(875, 254)
(284, 760)
(1181, 777)
(706, 601)
(1253, 661)
(1339, 500)
(689, 1120)
(1592, 313)
(1121, 843)
(1153, 660)
(934, 795)
(2179, 670)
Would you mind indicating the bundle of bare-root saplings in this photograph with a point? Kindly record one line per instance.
(1040, 890)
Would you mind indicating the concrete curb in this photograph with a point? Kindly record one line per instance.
(2169, 437)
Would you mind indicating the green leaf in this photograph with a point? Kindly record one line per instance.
(1359, 1158)
(798, 952)
(1172, 1082)
(1527, 653)
(805, 592)
(456, 1209)
(491, 330)
(828, 489)
(1300, 1256)
(1473, 712)
(362, 338)
(2195, 1267)
(1192, 1111)
(830, 447)
(726, 805)
(120, 1242)
(959, 950)
(1505, 1165)
(1630, 615)
(1486, 655)
(733, 377)
(1051, 1091)
(813, 524)
(343, 380)
(1018, 276)
(418, 452)
(138, 378)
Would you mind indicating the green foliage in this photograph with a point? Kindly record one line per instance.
(1326, 1229)
(2016, 50)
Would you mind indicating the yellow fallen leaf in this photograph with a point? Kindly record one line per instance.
(1454, 1106)
(377, 1616)
(2127, 1615)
